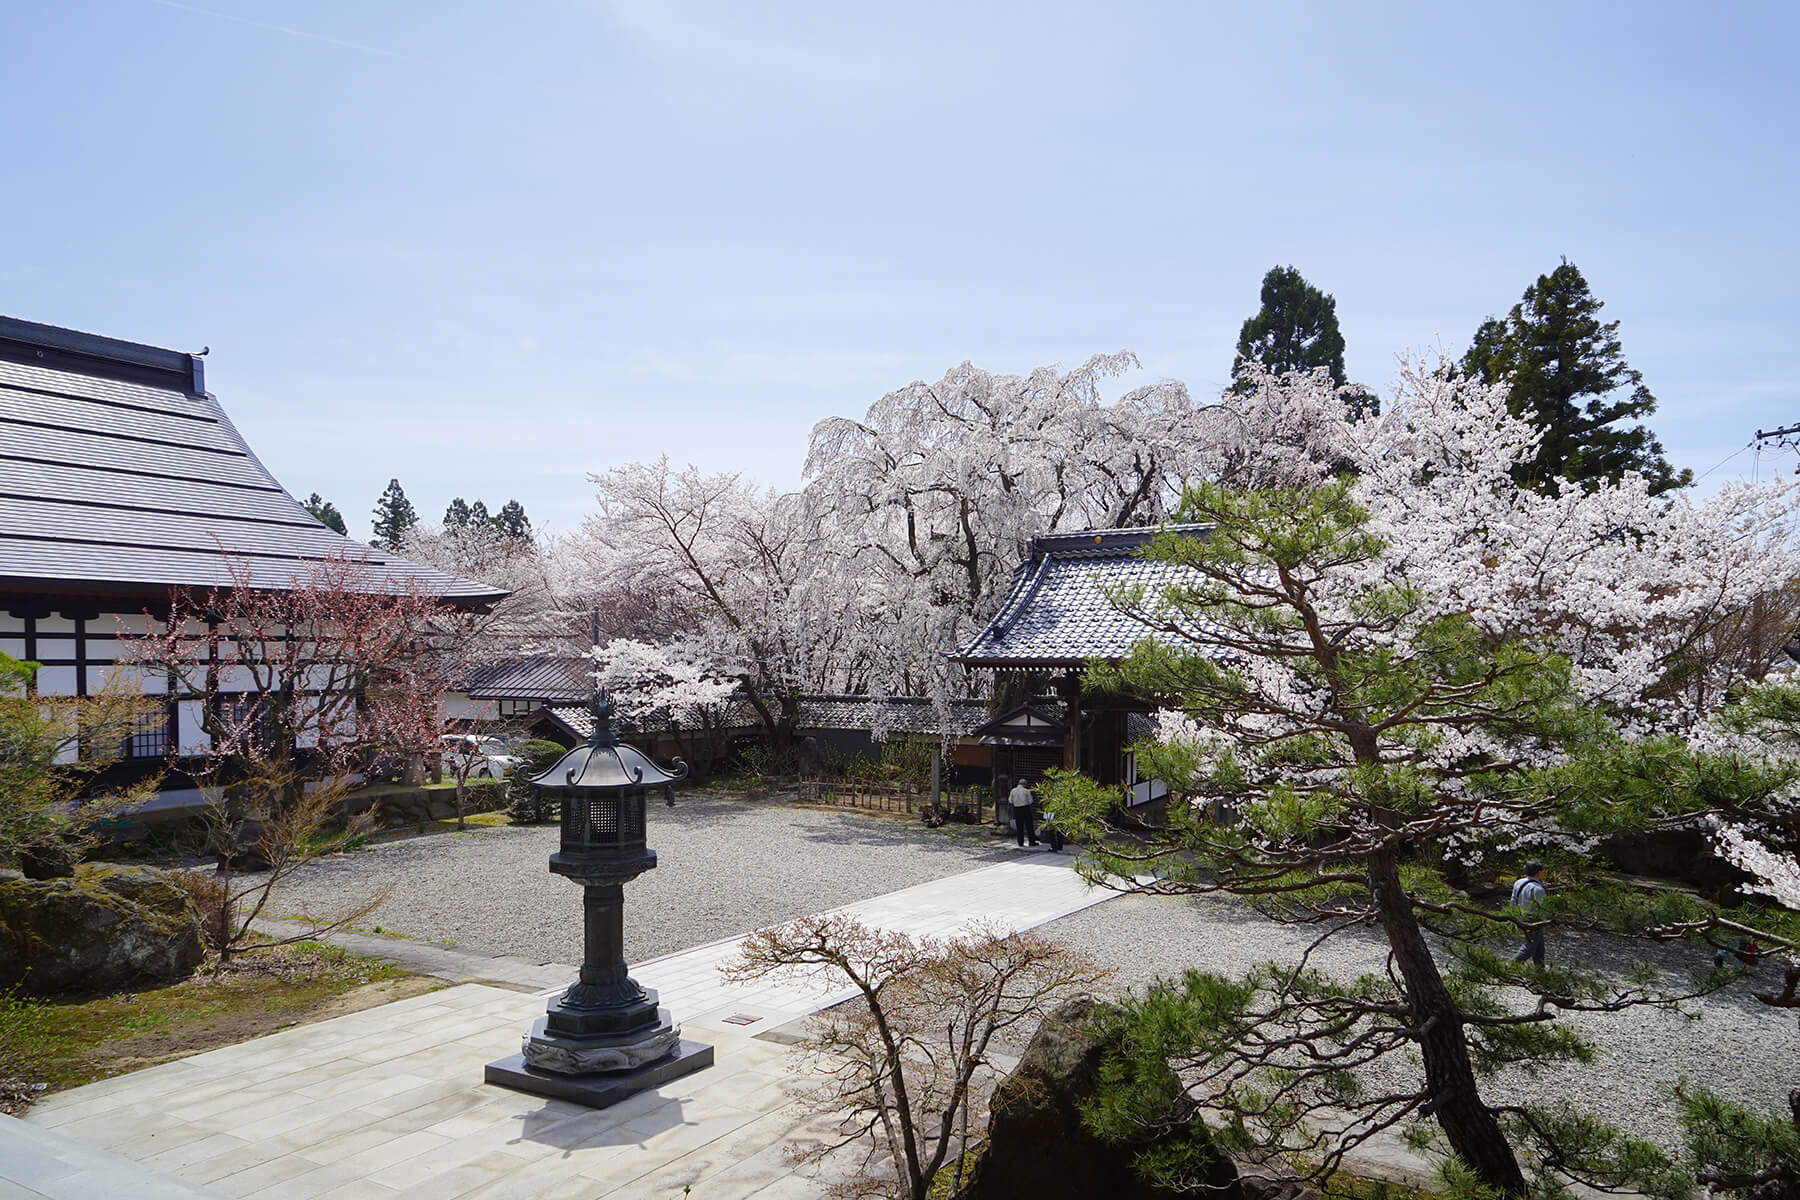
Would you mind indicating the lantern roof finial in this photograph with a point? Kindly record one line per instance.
(606, 730)
(605, 761)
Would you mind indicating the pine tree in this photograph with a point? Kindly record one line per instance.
(326, 513)
(1382, 689)
(1295, 330)
(457, 515)
(478, 515)
(1569, 377)
(512, 521)
(394, 517)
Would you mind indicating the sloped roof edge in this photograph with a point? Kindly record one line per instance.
(1055, 614)
(123, 476)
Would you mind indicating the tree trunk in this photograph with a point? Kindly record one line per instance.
(1468, 1124)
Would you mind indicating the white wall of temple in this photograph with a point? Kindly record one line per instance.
(79, 648)
(190, 737)
(459, 706)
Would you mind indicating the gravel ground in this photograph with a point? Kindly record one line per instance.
(1739, 1047)
(728, 866)
(724, 867)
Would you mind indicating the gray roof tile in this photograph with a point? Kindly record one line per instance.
(116, 472)
(1057, 612)
(533, 678)
(892, 714)
(895, 714)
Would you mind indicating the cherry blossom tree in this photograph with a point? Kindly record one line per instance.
(674, 688)
(905, 537)
(930, 501)
(293, 680)
(725, 574)
(533, 571)
(1390, 662)
(293, 683)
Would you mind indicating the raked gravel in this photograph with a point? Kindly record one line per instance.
(724, 867)
(1738, 1046)
(728, 866)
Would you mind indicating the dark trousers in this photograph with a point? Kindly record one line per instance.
(1533, 948)
(1025, 822)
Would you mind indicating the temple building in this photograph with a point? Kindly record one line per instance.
(1057, 618)
(122, 479)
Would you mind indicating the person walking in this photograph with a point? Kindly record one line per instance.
(1024, 808)
(1528, 893)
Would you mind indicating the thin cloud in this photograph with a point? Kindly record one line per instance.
(272, 28)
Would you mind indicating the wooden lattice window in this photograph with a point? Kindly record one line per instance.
(149, 737)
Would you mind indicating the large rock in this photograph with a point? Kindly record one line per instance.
(1036, 1144)
(102, 929)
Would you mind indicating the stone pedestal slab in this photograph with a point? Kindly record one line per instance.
(599, 1091)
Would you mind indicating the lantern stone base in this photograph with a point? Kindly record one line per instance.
(607, 1088)
(549, 1049)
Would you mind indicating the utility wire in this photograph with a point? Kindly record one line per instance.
(1725, 460)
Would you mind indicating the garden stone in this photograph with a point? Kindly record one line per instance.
(1037, 1145)
(103, 928)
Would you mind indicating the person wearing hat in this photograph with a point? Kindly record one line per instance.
(1527, 894)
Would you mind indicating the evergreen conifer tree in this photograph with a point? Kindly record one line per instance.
(456, 516)
(1569, 377)
(512, 521)
(326, 513)
(478, 515)
(1295, 330)
(394, 517)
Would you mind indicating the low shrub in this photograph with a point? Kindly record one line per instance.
(525, 805)
(208, 892)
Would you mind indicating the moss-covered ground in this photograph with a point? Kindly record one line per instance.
(49, 1045)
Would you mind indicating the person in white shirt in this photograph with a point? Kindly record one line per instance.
(1527, 894)
(1024, 807)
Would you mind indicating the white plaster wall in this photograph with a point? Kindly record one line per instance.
(188, 734)
(56, 681)
(123, 623)
(458, 706)
(55, 648)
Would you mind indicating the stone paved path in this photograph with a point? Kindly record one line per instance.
(390, 1101)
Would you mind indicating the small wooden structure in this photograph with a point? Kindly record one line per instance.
(1057, 618)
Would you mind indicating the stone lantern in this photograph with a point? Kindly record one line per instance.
(604, 1037)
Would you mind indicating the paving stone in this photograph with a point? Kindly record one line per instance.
(388, 1102)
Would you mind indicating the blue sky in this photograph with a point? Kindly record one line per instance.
(488, 248)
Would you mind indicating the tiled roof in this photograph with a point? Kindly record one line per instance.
(894, 714)
(563, 680)
(579, 721)
(1037, 722)
(1057, 612)
(120, 473)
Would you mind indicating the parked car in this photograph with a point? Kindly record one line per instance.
(493, 757)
